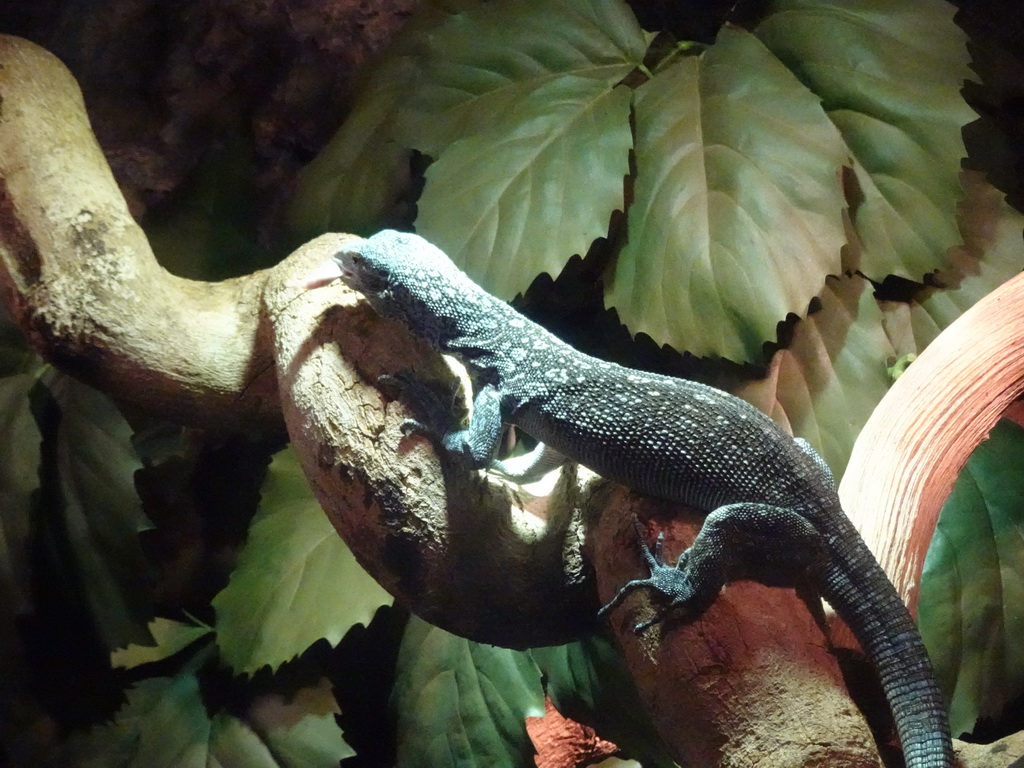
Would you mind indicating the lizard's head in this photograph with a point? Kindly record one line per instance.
(406, 278)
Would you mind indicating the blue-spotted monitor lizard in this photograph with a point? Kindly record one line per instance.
(675, 439)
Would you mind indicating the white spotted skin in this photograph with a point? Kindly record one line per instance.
(688, 443)
(672, 438)
(675, 439)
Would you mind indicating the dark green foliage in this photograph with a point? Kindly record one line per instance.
(973, 582)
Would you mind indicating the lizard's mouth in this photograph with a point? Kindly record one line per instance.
(347, 263)
(356, 273)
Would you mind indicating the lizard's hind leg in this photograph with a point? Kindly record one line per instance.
(773, 545)
(658, 580)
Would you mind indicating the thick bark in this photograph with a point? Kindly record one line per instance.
(453, 547)
(81, 280)
(752, 682)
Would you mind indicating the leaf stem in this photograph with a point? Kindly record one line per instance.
(681, 49)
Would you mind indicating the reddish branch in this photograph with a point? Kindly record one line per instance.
(917, 440)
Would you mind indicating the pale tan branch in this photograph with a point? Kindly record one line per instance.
(443, 540)
(79, 277)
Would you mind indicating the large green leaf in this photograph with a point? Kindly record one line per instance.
(169, 637)
(15, 354)
(520, 198)
(461, 703)
(829, 379)
(295, 583)
(356, 182)
(518, 104)
(315, 741)
(994, 236)
(972, 586)
(825, 384)
(19, 478)
(453, 73)
(889, 76)
(165, 723)
(587, 681)
(232, 743)
(478, 67)
(209, 228)
(89, 517)
(737, 216)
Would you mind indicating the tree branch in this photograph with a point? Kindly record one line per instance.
(753, 681)
(82, 282)
(442, 540)
(79, 277)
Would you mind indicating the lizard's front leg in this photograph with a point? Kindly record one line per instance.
(773, 545)
(476, 444)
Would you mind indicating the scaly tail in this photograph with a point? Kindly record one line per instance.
(864, 597)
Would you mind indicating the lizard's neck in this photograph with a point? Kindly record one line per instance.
(440, 304)
(513, 353)
(481, 340)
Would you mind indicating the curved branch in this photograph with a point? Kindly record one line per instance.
(80, 278)
(442, 540)
(754, 681)
(461, 553)
(917, 440)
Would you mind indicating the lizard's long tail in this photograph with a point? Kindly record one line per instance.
(864, 597)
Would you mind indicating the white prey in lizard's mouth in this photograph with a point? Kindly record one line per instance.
(325, 274)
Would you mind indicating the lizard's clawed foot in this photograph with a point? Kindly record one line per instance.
(671, 581)
(414, 427)
(393, 381)
(437, 409)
